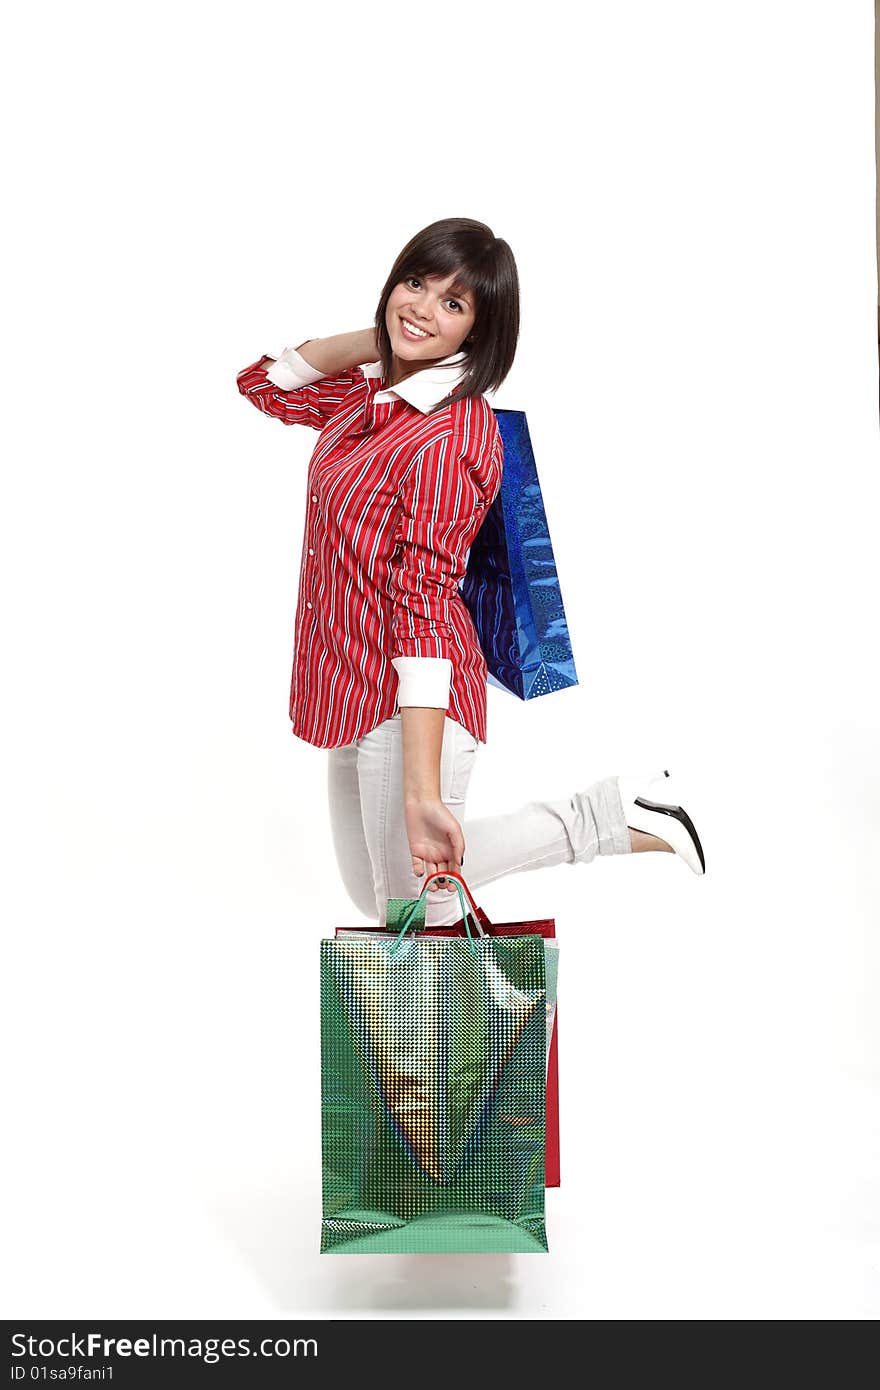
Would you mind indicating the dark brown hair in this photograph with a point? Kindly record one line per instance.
(484, 265)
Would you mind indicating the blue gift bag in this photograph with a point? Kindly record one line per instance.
(510, 587)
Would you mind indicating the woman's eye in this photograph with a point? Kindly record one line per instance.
(414, 280)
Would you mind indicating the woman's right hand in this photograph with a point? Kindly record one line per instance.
(436, 839)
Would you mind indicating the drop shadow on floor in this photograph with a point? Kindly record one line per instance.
(425, 1283)
(275, 1235)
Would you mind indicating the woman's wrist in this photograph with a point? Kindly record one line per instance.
(340, 352)
(422, 797)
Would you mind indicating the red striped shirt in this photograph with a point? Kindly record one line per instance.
(395, 499)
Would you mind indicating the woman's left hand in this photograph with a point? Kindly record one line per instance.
(436, 839)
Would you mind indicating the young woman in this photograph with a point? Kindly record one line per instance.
(388, 673)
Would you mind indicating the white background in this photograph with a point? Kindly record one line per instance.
(688, 189)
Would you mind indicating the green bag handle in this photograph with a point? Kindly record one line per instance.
(410, 912)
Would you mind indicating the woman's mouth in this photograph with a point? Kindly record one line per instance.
(409, 330)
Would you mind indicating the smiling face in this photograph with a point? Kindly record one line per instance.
(425, 303)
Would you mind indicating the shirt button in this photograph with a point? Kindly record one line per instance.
(311, 551)
(308, 605)
(314, 498)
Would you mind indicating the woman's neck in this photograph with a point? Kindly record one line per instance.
(399, 372)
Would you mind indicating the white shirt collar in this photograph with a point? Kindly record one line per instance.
(424, 388)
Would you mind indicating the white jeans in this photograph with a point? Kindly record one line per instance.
(365, 787)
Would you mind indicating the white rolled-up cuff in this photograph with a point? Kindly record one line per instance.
(291, 370)
(423, 680)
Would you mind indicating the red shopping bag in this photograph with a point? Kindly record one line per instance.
(545, 927)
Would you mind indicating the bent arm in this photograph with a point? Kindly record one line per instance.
(336, 354)
(330, 356)
(306, 387)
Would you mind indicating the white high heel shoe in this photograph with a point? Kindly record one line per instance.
(650, 806)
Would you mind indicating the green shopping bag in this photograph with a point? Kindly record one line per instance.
(433, 1069)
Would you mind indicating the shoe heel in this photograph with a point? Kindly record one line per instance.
(653, 807)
